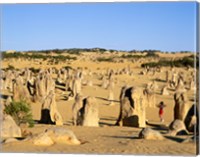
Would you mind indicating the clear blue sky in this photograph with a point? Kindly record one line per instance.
(165, 26)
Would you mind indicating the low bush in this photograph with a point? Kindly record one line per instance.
(10, 67)
(21, 112)
(102, 59)
(132, 56)
(152, 54)
(184, 62)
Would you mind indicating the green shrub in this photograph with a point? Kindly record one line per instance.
(102, 59)
(151, 54)
(21, 112)
(132, 56)
(186, 61)
(183, 62)
(63, 58)
(150, 64)
(73, 51)
(37, 56)
(10, 67)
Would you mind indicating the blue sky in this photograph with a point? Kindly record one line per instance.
(165, 26)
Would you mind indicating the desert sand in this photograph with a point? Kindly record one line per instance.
(107, 138)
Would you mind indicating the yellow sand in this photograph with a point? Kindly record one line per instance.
(107, 139)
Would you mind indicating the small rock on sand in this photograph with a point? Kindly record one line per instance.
(150, 134)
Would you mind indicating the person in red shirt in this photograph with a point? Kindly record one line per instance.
(161, 106)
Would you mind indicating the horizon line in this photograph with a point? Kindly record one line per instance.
(107, 49)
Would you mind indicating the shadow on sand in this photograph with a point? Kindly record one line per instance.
(106, 99)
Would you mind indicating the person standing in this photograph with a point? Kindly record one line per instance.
(161, 106)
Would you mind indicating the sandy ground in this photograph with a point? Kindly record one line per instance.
(108, 139)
